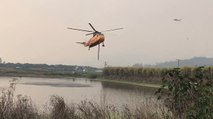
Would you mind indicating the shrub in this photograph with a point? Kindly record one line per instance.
(60, 110)
(188, 96)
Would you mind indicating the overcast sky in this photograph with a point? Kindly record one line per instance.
(34, 31)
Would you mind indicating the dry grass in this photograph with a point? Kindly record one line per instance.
(22, 107)
(149, 109)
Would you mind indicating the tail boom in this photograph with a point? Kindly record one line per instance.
(81, 43)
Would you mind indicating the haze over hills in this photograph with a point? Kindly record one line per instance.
(195, 61)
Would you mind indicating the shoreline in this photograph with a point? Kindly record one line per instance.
(139, 84)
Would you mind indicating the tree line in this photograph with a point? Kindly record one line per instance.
(147, 74)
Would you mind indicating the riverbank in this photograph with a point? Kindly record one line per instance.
(6, 72)
(151, 81)
(44, 70)
(137, 84)
(122, 82)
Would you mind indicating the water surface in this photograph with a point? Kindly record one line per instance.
(75, 90)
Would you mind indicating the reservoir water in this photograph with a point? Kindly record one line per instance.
(75, 90)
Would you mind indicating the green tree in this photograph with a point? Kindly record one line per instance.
(186, 96)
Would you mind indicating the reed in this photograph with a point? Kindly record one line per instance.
(22, 107)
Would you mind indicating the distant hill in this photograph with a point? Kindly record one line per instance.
(195, 61)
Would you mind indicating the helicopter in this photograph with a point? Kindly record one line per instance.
(96, 40)
(177, 19)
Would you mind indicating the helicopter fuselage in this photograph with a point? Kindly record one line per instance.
(95, 40)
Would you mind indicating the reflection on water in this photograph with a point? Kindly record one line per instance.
(76, 90)
(127, 87)
(59, 84)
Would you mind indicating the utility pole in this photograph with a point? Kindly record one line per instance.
(105, 64)
(178, 60)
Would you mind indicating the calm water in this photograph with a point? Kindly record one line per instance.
(76, 90)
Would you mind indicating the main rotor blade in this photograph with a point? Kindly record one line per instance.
(80, 30)
(89, 34)
(98, 50)
(112, 29)
(92, 27)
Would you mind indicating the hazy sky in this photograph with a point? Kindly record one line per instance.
(34, 31)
